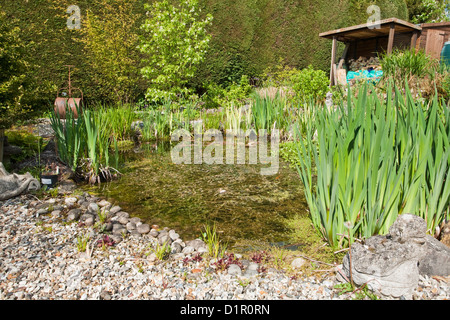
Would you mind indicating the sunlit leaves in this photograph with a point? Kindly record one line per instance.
(175, 41)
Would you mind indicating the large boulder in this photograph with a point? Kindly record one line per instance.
(390, 265)
(12, 185)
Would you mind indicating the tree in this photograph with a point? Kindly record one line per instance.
(423, 11)
(111, 42)
(175, 41)
(12, 76)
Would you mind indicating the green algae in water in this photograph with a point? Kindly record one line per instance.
(243, 204)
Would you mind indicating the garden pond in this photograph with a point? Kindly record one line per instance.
(247, 208)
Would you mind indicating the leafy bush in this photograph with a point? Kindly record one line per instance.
(403, 64)
(310, 84)
(234, 94)
(174, 42)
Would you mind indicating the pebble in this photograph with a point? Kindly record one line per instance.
(41, 261)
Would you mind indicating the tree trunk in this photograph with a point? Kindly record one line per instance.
(2, 135)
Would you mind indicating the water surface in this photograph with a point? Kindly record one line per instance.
(243, 204)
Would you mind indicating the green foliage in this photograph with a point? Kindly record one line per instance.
(234, 94)
(403, 64)
(375, 159)
(310, 84)
(84, 144)
(424, 11)
(30, 144)
(114, 68)
(12, 73)
(175, 42)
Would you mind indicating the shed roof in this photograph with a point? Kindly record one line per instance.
(362, 31)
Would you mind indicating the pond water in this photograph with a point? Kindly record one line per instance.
(244, 205)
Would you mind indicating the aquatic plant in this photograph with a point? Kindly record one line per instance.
(375, 159)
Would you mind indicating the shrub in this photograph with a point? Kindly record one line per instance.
(310, 84)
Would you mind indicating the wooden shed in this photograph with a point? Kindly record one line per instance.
(368, 41)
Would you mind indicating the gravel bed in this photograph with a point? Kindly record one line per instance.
(39, 260)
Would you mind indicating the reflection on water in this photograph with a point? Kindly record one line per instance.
(243, 204)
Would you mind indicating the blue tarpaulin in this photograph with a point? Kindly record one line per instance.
(369, 75)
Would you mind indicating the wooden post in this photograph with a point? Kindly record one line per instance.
(414, 40)
(333, 60)
(391, 38)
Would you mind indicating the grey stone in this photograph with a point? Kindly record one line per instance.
(188, 249)
(143, 228)
(89, 221)
(135, 233)
(196, 244)
(131, 226)
(115, 209)
(56, 213)
(250, 273)
(234, 269)
(436, 261)
(176, 247)
(103, 203)
(164, 239)
(253, 266)
(174, 236)
(135, 220)
(122, 220)
(153, 233)
(92, 207)
(73, 214)
(298, 263)
(70, 201)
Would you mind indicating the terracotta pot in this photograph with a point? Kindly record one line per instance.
(72, 103)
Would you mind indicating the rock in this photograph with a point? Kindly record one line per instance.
(176, 247)
(115, 209)
(153, 233)
(164, 239)
(66, 186)
(108, 226)
(73, 214)
(105, 295)
(253, 266)
(89, 221)
(202, 250)
(103, 203)
(70, 201)
(391, 264)
(173, 235)
(234, 269)
(143, 228)
(56, 213)
(298, 263)
(92, 207)
(436, 261)
(135, 220)
(196, 244)
(12, 185)
(123, 220)
(250, 273)
(188, 249)
(131, 226)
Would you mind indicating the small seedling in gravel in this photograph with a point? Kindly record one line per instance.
(82, 243)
